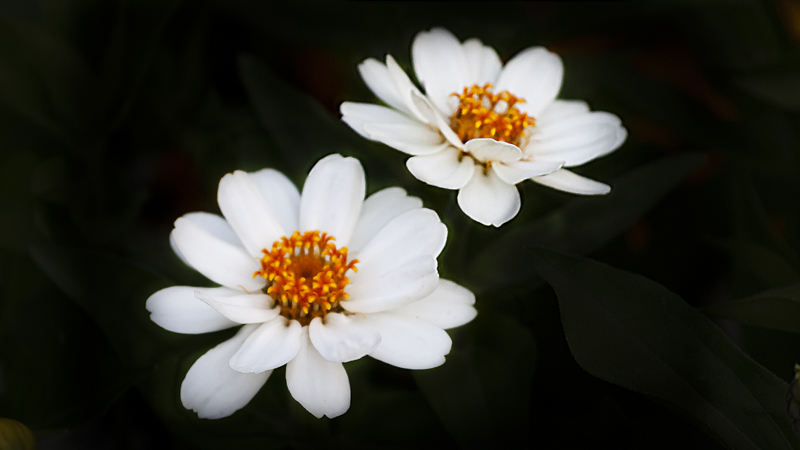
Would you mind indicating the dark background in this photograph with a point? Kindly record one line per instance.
(117, 117)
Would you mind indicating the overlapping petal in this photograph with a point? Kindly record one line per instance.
(321, 386)
(449, 306)
(447, 169)
(218, 260)
(379, 209)
(212, 389)
(407, 342)
(178, 310)
(488, 199)
(271, 345)
(337, 338)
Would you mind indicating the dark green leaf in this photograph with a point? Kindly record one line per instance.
(767, 264)
(583, 224)
(633, 332)
(778, 309)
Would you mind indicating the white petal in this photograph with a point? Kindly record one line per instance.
(440, 65)
(212, 389)
(559, 110)
(337, 338)
(218, 260)
(409, 136)
(272, 345)
(394, 129)
(450, 305)
(577, 139)
(213, 224)
(406, 89)
(376, 75)
(400, 286)
(415, 233)
(486, 149)
(407, 342)
(535, 74)
(248, 213)
(483, 64)
(446, 169)
(379, 209)
(435, 117)
(357, 114)
(178, 310)
(513, 173)
(488, 199)
(281, 195)
(241, 307)
(332, 197)
(321, 386)
(567, 181)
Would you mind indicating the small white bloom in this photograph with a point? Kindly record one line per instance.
(480, 127)
(316, 280)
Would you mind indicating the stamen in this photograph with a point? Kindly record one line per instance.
(306, 274)
(484, 114)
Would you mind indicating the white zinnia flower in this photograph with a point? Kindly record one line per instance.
(480, 127)
(296, 290)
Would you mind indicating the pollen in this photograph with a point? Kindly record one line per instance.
(305, 275)
(484, 114)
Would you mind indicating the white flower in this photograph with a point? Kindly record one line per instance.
(296, 290)
(480, 127)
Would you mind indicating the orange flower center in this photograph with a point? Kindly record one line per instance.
(305, 275)
(484, 114)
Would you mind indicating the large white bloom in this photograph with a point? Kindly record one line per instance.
(480, 127)
(282, 276)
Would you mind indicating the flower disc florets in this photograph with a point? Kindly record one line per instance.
(306, 274)
(484, 114)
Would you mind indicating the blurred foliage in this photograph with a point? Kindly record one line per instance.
(118, 116)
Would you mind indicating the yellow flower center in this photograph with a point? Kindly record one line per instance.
(305, 275)
(484, 114)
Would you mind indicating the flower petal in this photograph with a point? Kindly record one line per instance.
(400, 286)
(218, 260)
(486, 149)
(407, 342)
(559, 110)
(408, 136)
(248, 213)
(440, 65)
(272, 345)
(337, 338)
(321, 386)
(281, 196)
(488, 199)
(378, 79)
(567, 181)
(212, 389)
(413, 234)
(449, 306)
(332, 197)
(435, 117)
(394, 129)
(483, 64)
(406, 89)
(514, 172)
(446, 169)
(577, 139)
(379, 209)
(535, 74)
(241, 307)
(178, 310)
(357, 114)
(214, 225)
